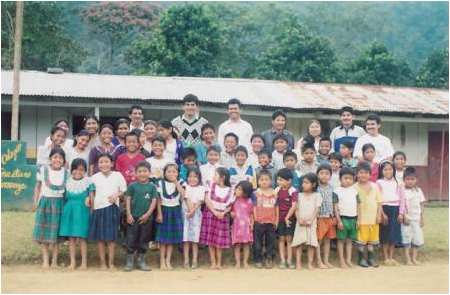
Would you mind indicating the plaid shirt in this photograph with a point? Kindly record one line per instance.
(326, 209)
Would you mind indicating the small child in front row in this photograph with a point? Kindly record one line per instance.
(412, 234)
(242, 228)
(346, 212)
(336, 163)
(170, 222)
(309, 202)
(368, 151)
(194, 196)
(141, 198)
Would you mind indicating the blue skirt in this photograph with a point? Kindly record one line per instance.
(104, 225)
(391, 233)
(170, 231)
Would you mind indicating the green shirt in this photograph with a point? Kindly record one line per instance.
(141, 195)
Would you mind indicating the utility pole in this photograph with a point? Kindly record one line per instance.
(16, 74)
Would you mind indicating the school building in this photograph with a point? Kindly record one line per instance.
(416, 119)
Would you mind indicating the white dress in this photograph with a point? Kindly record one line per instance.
(307, 234)
(192, 226)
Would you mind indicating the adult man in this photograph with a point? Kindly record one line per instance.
(347, 131)
(136, 116)
(383, 145)
(235, 125)
(189, 124)
(278, 127)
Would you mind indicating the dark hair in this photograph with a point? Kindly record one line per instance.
(381, 167)
(373, 117)
(289, 154)
(77, 163)
(363, 166)
(335, 156)
(398, 153)
(234, 101)
(278, 137)
(312, 177)
(348, 144)
(166, 124)
(159, 139)
(278, 113)
(105, 155)
(325, 138)
(346, 109)
(89, 117)
(308, 139)
(120, 122)
(190, 98)
(197, 172)
(285, 173)
(59, 151)
(347, 171)
(133, 133)
(150, 122)
(143, 164)
(168, 165)
(367, 146)
(247, 188)
(214, 148)
(223, 172)
(134, 107)
(61, 120)
(106, 125)
(257, 135)
(324, 166)
(308, 146)
(207, 126)
(265, 152)
(241, 148)
(409, 171)
(264, 172)
(55, 129)
(188, 152)
(82, 132)
(232, 135)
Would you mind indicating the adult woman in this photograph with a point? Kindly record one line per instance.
(91, 124)
(314, 131)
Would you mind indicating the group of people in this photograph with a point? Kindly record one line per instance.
(180, 182)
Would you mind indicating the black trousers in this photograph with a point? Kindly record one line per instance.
(138, 236)
(264, 234)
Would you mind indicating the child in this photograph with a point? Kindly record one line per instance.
(393, 199)
(48, 203)
(242, 228)
(126, 163)
(106, 146)
(264, 163)
(174, 147)
(309, 163)
(326, 221)
(141, 199)
(158, 161)
(192, 215)
(208, 137)
(290, 162)
(75, 216)
(208, 170)
(399, 159)
(287, 202)
(150, 131)
(368, 151)
(109, 187)
(57, 139)
(230, 142)
(215, 229)
(346, 151)
(369, 215)
(309, 202)
(336, 163)
(412, 234)
(189, 161)
(280, 144)
(324, 151)
(121, 128)
(241, 170)
(257, 142)
(79, 148)
(345, 208)
(142, 140)
(170, 228)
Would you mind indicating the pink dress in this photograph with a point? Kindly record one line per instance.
(241, 232)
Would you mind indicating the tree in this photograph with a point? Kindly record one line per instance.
(186, 42)
(434, 72)
(376, 65)
(45, 42)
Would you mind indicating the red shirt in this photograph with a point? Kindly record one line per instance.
(374, 172)
(266, 207)
(126, 166)
(285, 200)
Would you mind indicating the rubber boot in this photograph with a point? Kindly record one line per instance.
(372, 261)
(141, 264)
(362, 260)
(130, 262)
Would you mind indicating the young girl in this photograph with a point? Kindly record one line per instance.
(192, 215)
(106, 146)
(399, 159)
(79, 148)
(141, 138)
(48, 203)
(308, 205)
(215, 229)
(109, 188)
(150, 131)
(242, 170)
(242, 229)
(208, 170)
(174, 147)
(158, 161)
(75, 215)
(57, 138)
(170, 228)
(257, 142)
(369, 155)
(64, 124)
(208, 137)
(91, 124)
(393, 201)
(121, 127)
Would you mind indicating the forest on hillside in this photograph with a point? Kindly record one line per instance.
(387, 43)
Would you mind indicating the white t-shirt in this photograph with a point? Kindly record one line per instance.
(106, 186)
(171, 150)
(277, 160)
(399, 177)
(335, 181)
(347, 201)
(67, 143)
(208, 171)
(227, 160)
(241, 128)
(253, 159)
(389, 191)
(382, 144)
(43, 153)
(413, 199)
(170, 189)
(222, 193)
(196, 194)
(56, 177)
(72, 154)
(157, 166)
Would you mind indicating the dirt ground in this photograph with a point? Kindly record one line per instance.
(431, 277)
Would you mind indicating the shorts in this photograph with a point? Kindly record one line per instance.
(283, 230)
(368, 234)
(412, 234)
(350, 229)
(326, 228)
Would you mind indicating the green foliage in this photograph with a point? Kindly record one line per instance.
(45, 42)
(434, 73)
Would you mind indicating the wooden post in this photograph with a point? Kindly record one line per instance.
(441, 176)
(16, 77)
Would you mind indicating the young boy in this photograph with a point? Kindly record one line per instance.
(290, 162)
(189, 157)
(266, 220)
(324, 151)
(141, 199)
(345, 208)
(326, 227)
(242, 170)
(287, 202)
(265, 163)
(309, 163)
(230, 143)
(158, 160)
(208, 170)
(369, 214)
(280, 143)
(336, 163)
(126, 162)
(412, 234)
(346, 151)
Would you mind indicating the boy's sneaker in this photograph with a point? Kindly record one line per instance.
(282, 265)
(372, 262)
(142, 265)
(129, 265)
(269, 263)
(258, 265)
(362, 261)
(291, 266)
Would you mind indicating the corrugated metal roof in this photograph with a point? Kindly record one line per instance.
(293, 95)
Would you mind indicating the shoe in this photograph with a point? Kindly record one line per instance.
(362, 261)
(258, 265)
(142, 265)
(290, 266)
(269, 263)
(194, 266)
(282, 265)
(130, 263)
(372, 262)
